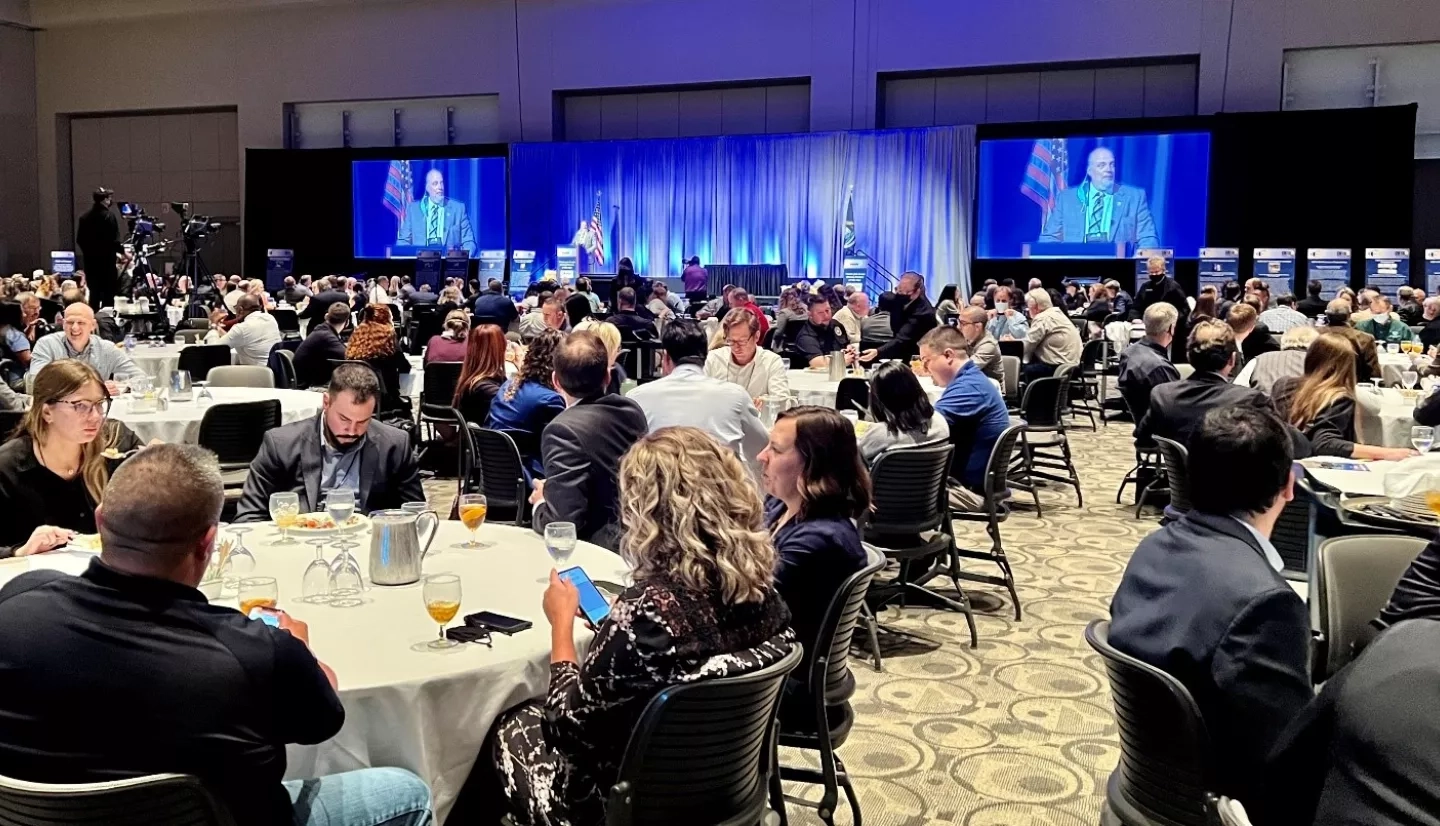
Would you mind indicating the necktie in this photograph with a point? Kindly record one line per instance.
(1097, 212)
(434, 234)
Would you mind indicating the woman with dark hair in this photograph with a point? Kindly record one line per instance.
(625, 277)
(948, 304)
(374, 343)
(1206, 305)
(481, 374)
(528, 401)
(817, 486)
(1229, 295)
(449, 343)
(790, 316)
(901, 412)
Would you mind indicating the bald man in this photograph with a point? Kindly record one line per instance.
(435, 220)
(78, 341)
(1101, 210)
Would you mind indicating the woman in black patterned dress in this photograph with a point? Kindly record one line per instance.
(702, 606)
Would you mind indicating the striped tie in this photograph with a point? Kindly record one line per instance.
(1096, 214)
(434, 234)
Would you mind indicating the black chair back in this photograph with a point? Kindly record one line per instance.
(286, 319)
(440, 380)
(1176, 461)
(997, 469)
(853, 394)
(425, 323)
(1012, 348)
(1165, 761)
(496, 461)
(702, 753)
(288, 379)
(962, 443)
(1292, 532)
(199, 358)
(1354, 578)
(1092, 356)
(234, 431)
(1044, 402)
(9, 422)
(831, 671)
(908, 490)
(156, 800)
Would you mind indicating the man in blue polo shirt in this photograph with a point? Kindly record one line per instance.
(969, 397)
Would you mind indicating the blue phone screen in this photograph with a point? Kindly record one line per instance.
(592, 602)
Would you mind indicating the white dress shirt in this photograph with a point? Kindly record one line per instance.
(687, 397)
(764, 376)
(251, 338)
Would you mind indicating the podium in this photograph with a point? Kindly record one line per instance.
(1108, 249)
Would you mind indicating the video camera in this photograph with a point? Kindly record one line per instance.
(193, 228)
(142, 226)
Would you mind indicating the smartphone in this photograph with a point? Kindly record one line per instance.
(592, 603)
(270, 618)
(499, 623)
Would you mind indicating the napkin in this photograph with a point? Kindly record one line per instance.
(1412, 476)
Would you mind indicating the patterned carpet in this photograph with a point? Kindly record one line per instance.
(1020, 730)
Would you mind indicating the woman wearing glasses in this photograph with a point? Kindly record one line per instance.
(53, 470)
(741, 360)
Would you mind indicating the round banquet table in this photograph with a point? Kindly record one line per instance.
(1394, 364)
(159, 362)
(181, 422)
(1384, 418)
(815, 387)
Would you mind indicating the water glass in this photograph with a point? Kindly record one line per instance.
(1409, 378)
(238, 563)
(560, 542)
(441, 593)
(415, 508)
(1392, 348)
(340, 505)
(346, 583)
(258, 592)
(285, 510)
(1422, 438)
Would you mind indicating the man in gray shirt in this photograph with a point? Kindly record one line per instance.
(984, 349)
(78, 341)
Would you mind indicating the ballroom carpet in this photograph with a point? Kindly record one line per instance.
(1020, 730)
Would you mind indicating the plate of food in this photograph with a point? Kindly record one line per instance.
(320, 524)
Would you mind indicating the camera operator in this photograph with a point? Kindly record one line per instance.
(98, 237)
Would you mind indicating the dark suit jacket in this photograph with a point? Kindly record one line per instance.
(1310, 307)
(291, 459)
(910, 323)
(320, 304)
(1430, 333)
(581, 449)
(1144, 366)
(312, 357)
(1199, 601)
(1130, 219)
(1177, 408)
(1258, 342)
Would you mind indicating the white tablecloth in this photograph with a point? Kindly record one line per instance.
(159, 362)
(1369, 482)
(181, 423)
(1393, 364)
(1385, 418)
(412, 384)
(815, 387)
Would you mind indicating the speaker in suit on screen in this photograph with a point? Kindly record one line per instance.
(451, 225)
(1101, 210)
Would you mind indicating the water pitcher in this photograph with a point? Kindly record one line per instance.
(398, 545)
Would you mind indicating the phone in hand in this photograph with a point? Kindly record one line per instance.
(592, 603)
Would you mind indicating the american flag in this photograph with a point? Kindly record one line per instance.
(1045, 175)
(597, 235)
(398, 187)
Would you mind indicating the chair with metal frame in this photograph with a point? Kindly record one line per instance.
(1175, 464)
(1355, 577)
(996, 509)
(495, 459)
(1087, 391)
(853, 395)
(1043, 442)
(140, 801)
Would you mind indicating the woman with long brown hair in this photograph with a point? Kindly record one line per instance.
(481, 374)
(374, 343)
(54, 469)
(1321, 404)
(1206, 305)
(528, 400)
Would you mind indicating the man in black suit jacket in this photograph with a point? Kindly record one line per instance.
(1203, 600)
(581, 447)
(910, 322)
(632, 324)
(340, 448)
(312, 357)
(321, 301)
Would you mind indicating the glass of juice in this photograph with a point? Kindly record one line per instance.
(258, 592)
(472, 509)
(441, 593)
(285, 510)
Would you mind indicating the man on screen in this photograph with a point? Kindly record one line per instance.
(436, 221)
(1100, 210)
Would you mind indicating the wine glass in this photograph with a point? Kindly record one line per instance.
(346, 583)
(340, 505)
(415, 508)
(1422, 438)
(472, 513)
(1376, 382)
(285, 510)
(258, 592)
(1409, 378)
(560, 542)
(442, 601)
(315, 583)
(238, 563)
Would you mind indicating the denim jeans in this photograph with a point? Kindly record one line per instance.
(365, 797)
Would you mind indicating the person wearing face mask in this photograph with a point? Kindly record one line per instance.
(1160, 287)
(1384, 325)
(1007, 321)
(910, 322)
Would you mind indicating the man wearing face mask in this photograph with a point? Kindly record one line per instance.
(1162, 288)
(342, 447)
(1384, 325)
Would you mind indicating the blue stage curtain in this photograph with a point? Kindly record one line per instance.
(756, 199)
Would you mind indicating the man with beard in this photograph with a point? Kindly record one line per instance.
(342, 447)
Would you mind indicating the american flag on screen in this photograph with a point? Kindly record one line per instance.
(398, 186)
(1045, 174)
(597, 236)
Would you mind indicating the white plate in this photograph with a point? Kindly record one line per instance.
(357, 522)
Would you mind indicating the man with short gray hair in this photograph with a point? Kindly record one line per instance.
(1145, 364)
(984, 349)
(1430, 322)
(189, 687)
(1052, 339)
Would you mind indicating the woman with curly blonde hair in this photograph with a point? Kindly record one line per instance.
(374, 343)
(702, 606)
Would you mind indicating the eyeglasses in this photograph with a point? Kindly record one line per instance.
(86, 408)
(739, 342)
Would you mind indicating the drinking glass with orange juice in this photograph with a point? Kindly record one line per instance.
(472, 510)
(1432, 501)
(258, 592)
(441, 593)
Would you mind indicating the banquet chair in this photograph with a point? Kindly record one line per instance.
(702, 753)
(199, 359)
(1012, 348)
(242, 375)
(996, 509)
(1044, 446)
(1294, 533)
(154, 800)
(196, 323)
(1354, 578)
(1166, 766)
(288, 321)
(909, 521)
(234, 431)
(1175, 464)
(1146, 459)
(853, 394)
(1086, 395)
(284, 358)
(190, 336)
(495, 469)
(1010, 366)
(825, 702)
(437, 397)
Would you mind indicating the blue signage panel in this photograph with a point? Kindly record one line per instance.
(492, 265)
(1329, 266)
(1432, 272)
(278, 264)
(522, 271)
(62, 262)
(853, 271)
(1387, 269)
(1276, 266)
(1142, 263)
(567, 260)
(1218, 266)
(427, 268)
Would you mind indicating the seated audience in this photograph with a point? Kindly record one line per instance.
(946, 304)
(1259, 290)
(686, 397)
(1007, 320)
(14, 346)
(252, 334)
(527, 401)
(1251, 337)
(495, 307)
(1120, 301)
(1321, 403)
(1145, 364)
(1207, 305)
(1429, 324)
(984, 350)
(1339, 323)
(1203, 600)
(374, 343)
(968, 398)
(549, 316)
(789, 316)
(740, 299)
(78, 341)
(327, 294)
(450, 301)
(53, 470)
(820, 335)
(584, 287)
(1051, 340)
(582, 446)
(1177, 407)
(449, 344)
(911, 317)
(1283, 316)
(744, 362)
(852, 315)
(1099, 307)
(610, 335)
(424, 295)
(876, 329)
(663, 301)
(1288, 361)
(719, 305)
(703, 605)
(1409, 309)
(481, 374)
(633, 325)
(1385, 326)
(341, 447)
(314, 357)
(33, 324)
(1312, 304)
(900, 412)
